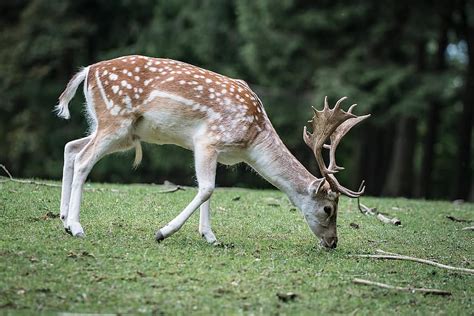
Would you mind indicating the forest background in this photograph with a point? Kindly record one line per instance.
(409, 63)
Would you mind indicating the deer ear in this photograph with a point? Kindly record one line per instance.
(315, 186)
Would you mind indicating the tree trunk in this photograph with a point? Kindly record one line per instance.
(373, 161)
(427, 162)
(400, 178)
(401, 171)
(434, 107)
(464, 150)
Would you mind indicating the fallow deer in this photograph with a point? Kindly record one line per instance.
(136, 99)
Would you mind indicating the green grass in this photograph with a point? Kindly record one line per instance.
(119, 268)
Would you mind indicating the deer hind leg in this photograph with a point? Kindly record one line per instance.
(205, 223)
(205, 158)
(70, 152)
(100, 145)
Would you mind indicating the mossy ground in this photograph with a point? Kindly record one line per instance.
(268, 250)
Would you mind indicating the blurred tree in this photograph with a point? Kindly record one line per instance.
(434, 103)
(465, 31)
(390, 57)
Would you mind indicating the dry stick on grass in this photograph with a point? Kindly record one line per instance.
(394, 256)
(175, 187)
(373, 211)
(53, 185)
(468, 228)
(399, 288)
(10, 178)
(459, 220)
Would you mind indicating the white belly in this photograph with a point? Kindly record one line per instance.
(165, 127)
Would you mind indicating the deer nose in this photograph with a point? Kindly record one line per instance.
(330, 242)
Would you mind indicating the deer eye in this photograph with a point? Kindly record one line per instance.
(327, 210)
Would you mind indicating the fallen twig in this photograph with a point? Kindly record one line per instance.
(399, 288)
(373, 211)
(53, 185)
(468, 228)
(175, 187)
(394, 256)
(10, 178)
(459, 220)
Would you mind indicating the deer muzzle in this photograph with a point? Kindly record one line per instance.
(329, 242)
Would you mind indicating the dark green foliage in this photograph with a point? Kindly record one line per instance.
(391, 58)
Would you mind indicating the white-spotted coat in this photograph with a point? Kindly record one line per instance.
(136, 99)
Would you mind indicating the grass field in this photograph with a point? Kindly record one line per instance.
(268, 252)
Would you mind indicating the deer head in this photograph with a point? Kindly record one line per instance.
(330, 124)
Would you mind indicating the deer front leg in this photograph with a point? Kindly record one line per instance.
(206, 163)
(205, 223)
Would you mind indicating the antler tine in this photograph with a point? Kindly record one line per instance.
(306, 137)
(351, 108)
(362, 186)
(339, 102)
(326, 105)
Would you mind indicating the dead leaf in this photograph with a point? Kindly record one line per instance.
(354, 225)
(272, 202)
(50, 215)
(236, 198)
(98, 278)
(72, 254)
(222, 291)
(225, 245)
(141, 274)
(21, 291)
(87, 254)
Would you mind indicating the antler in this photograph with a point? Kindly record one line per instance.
(334, 124)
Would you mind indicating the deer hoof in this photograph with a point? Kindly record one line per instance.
(76, 229)
(209, 237)
(159, 236)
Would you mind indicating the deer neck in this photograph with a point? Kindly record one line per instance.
(273, 161)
